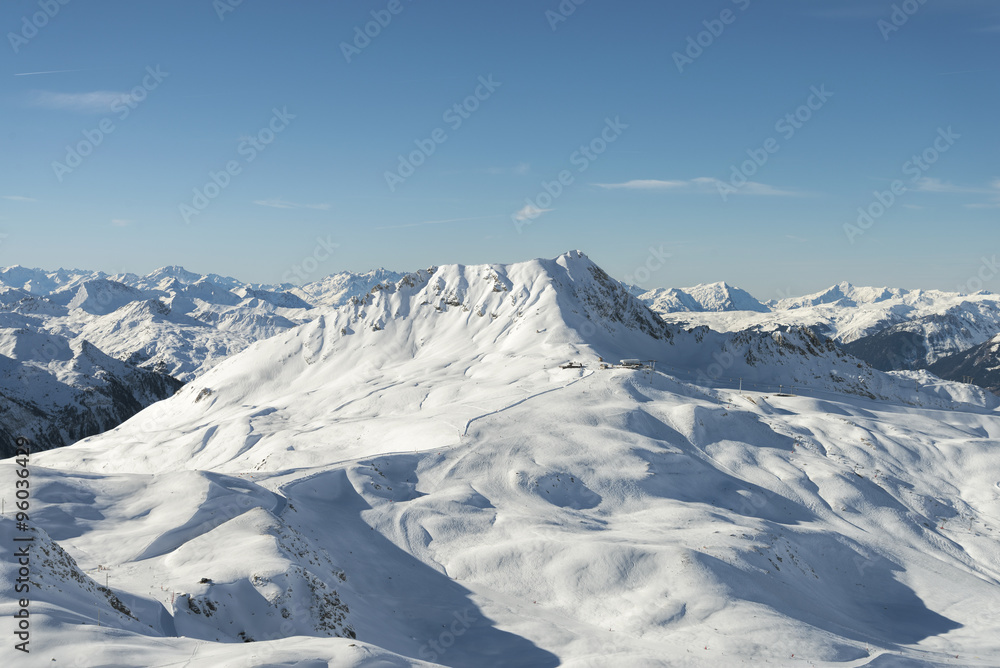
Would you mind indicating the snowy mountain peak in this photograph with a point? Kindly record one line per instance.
(336, 289)
(709, 297)
(421, 468)
(849, 295)
(174, 272)
(724, 297)
(41, 282)
(99, 296)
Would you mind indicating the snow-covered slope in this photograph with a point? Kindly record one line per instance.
(979, 365)
(41, 282)
(172, 321)
(712, 297)
(847, 294)
(56, 391)
(97, 297)
(15, 300)
(918, 343)
(337, 289)
(416, 477)
(151, 334)
(889, 328)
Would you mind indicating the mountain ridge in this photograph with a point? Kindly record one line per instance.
(426, 458)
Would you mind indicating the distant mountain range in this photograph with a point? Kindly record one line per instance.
(891, 329)
(711, 297)
(455, 469)
(149, 332)
(82, 351)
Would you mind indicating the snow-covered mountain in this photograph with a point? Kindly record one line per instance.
(40, 282)
(979, 365)
(337, 289)
(918, 343)
(846, 294)
(893, 329)
(172, 322)
(56, 391)
(711, 297)
(420, 477)
(96, 297)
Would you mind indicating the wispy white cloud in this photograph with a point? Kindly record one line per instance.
(530, 212)
(31, 74)
(701, 185)
(19, 198)
(929, 185)
(284, 204)
(87, 103)
(649, 184)
(121, 222)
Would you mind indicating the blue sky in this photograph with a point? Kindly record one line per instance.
(162, 95)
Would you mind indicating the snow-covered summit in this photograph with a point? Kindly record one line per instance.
(706, 297)
(336, 289)
(44, 283)
(846, 294)
(98, 296)
(425, 460)
(55, 390)
(499, 325)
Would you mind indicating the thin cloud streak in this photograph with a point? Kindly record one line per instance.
(93, 102)
(31, 74)
(530, 212)
(700, 185)
(930, 185)
(284, 204)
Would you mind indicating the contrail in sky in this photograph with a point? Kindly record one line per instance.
(30, 74)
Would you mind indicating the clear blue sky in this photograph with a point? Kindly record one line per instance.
(656, 185)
